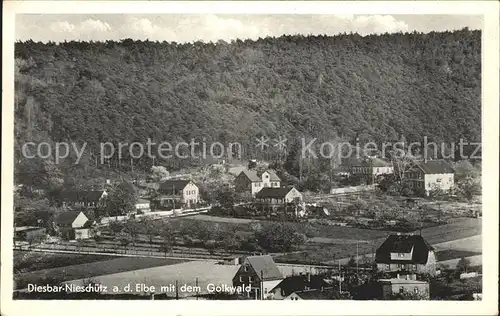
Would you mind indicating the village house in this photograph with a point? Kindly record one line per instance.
(252, 181)
(297, 283)
(76, 224)
(178, 193)
(276, 197)
(142, 206)
(428, 175)
(261, 273)
(313, 294)
(410, 254)
(369, 168)
(88, 199)
(402, 286)
(29, 233)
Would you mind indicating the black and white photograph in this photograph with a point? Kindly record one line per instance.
(332, 155)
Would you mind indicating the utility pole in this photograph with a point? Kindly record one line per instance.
(261, 285)
(357, 258)
(197, 292)
(340, 279)
(176, 289)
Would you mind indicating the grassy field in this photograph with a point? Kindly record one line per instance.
(185, 274)
(449, 254)
(88, 270)
(458, 230)
(472, 244)
(27, 261)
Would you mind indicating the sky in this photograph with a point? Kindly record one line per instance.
(214, 27)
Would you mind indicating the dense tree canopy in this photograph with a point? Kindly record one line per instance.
(377, 87)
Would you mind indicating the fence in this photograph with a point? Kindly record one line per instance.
(356, 189)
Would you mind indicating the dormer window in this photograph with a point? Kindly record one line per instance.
(245, 268)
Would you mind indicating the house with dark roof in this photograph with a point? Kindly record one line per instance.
(260, 273)
(178, 193)
(313, 294)
(275, 197)
(406, 254)
(297, 283)
(253, 181)
(428, 175)
(89, 199)
(75, 223)
(369, 167)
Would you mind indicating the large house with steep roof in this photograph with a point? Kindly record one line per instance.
(253, 181)
(261, 273)
(178, 193)
(427, 175)
(406, 254)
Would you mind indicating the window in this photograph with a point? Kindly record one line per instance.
(250, 279)
(438, 180)
(415, 290)
(399, 266)
(415, 267)
(387, 266)
(401, 289)
(245, 268)
(241, 279)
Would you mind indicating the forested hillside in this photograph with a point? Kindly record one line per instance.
(375, 88)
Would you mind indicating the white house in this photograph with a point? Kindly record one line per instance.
(261, 273)
(142, 206)
(431, 174)
(179, 193)
(253, 181)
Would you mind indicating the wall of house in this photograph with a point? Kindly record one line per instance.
(266, 179)
(420, 288)
(191, 194)
(293, 297)
(382, 170)
(79, 221)
(82, 233)
(292, 195)
(443, 181)
(402, 256)
(242, 183)
(267, 286)
(430, 266)
(256, 187)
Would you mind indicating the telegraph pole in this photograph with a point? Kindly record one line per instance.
(340, 279)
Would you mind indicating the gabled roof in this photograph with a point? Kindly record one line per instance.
(272, 175)
(404, 244)
(67, 218)
(173, 186)
(277, 193)
(256, 176)
(265, 267)
(434, 166)
(81, 196)
(251, 175)
(316, 294)
(300, 282)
